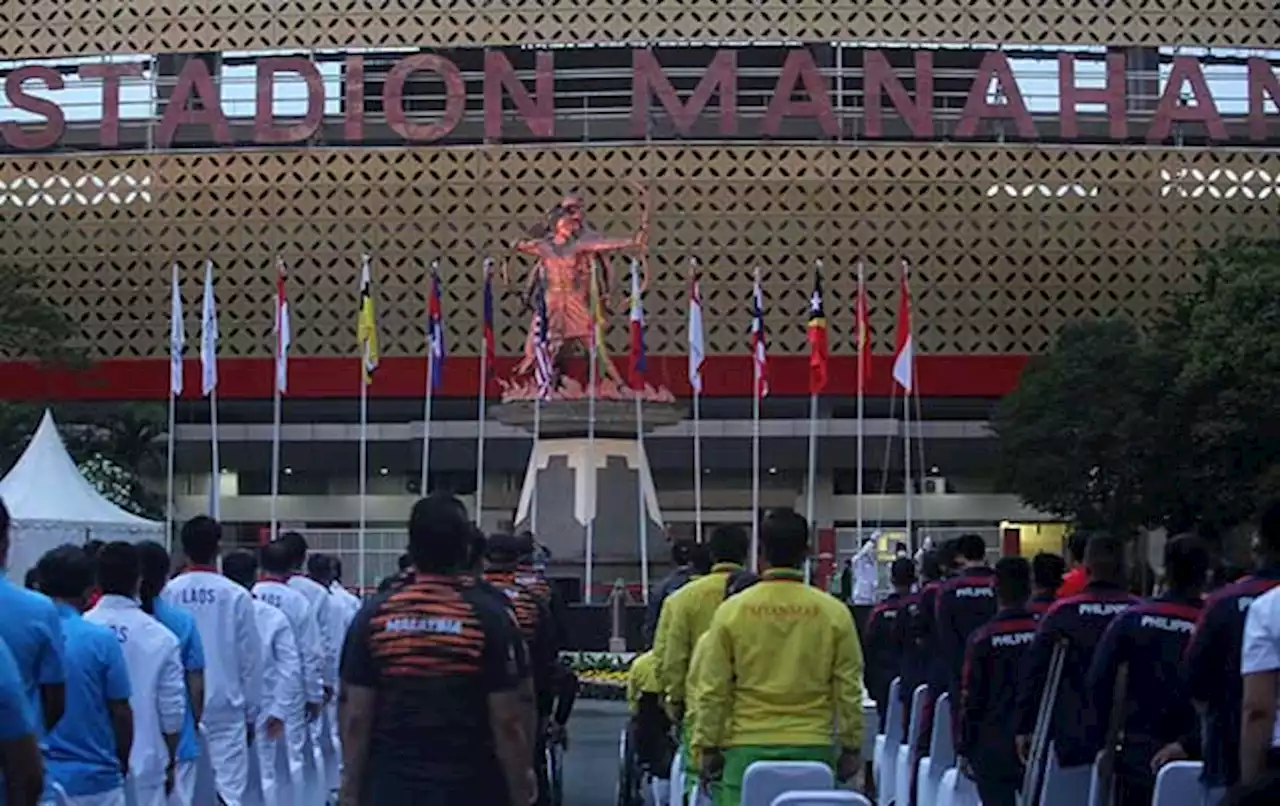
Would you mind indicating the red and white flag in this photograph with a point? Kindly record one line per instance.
(759, 351)
(697, 353)
(284, 337)
(904, 357)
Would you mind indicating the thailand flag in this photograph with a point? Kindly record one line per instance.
(759, 352)
(435, 329)
(636, 374)
(490, 350)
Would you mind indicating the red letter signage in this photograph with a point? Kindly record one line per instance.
(647, 79)
(1111, 95)
(1186, 69)
(194, 79)
(455, 100)
(879, 79)
(23, 136)
(538, 112)
(1262, 85)
(353, 101)
(799, 66)
(995, 66)
(109, 127)
(265, 131)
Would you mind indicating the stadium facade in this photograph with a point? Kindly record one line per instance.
(1034, 163)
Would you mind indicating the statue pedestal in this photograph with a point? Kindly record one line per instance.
(569, 481)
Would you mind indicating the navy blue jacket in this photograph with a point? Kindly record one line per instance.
(1151, 638)
(1212, 672)
(1080, 621)
(915, 631)
(993, 659)
(965, 603)
(882, 647)
(1039, 605)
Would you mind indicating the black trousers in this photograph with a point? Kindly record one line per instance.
(997, 790)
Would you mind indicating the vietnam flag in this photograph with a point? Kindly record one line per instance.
(818, 347)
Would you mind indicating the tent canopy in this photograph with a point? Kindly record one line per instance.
(51, 503)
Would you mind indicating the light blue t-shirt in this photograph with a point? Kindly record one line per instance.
(182, 625)
(32, 632)
(16, 718)
(80, 753)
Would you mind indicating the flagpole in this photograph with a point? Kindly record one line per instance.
(275, 463)
(641, 458)
(591, 437)
(537, 433)
(215, 490)
(697, 416)
(170, 515)
(755, 446)
(364, 471)
(863, 330)
(209, 384)
(481, 410)
(177, 333)
(907, 488)
(810, 491)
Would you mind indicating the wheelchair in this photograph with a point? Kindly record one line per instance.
(553, 758)
(632, 775)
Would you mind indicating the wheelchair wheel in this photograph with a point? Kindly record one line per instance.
(555, 773)
(629, 778)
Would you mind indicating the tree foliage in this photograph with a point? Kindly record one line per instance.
(30, 325)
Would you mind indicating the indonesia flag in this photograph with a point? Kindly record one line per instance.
(697, 354)
(904, 358)
(759, 352)
(435, 329)
(635, 375)
(284, 337)
(490, 350)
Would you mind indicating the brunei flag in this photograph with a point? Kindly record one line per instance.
(818, 348)
(367, 324)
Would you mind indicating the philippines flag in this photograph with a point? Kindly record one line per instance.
(697, 354)
(904, 354)
(490, 350)
(635, 375)
(435, 329)
(759, 354)
(284, 336)
(543, 368)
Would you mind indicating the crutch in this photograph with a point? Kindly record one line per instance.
(1033, 775)
(1113, 744)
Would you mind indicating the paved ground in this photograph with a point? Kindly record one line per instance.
(591, 767)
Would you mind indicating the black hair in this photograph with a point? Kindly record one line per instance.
(1269, 529)
(971, 547)
(336, 565)
(1104, 559)
(153, 568)
(65, 573)
(405, 562)
(319, 568)
(241, 567)
(31, 581)
(931, 566)
(729, 544)
(92, 547)
(1013, 580)
(902, 572)
(739, 581)
(1076, 545)
(700, 559)
(277, 557)
(947, 553)
(297, 546)
(200, 538)
(439, 534)
(503, 549)
(785, 538)
(680, 551)
(118, 569)
(1186, 563)
(4, 522)
(1047, 571)
(477, 547)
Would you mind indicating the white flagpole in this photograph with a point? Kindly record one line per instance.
(592, 376)
(863, 328)
(641, 463)
(426, 404)
(215, 490)
(276, 405)
(209, 382)
(176, 340)
(907, 489)
(364, 471)
(481, 410)
(755, 446)
(810, 491)
(537, 433)
(697, 419)
(170, 515)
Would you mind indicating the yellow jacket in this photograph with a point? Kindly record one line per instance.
(660, 632)
(688, 614)
(691, 704)
(641, 680)
(781, 663)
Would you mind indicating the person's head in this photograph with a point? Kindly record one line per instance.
(729, 544)
(680, 551)
(405, 562)
(947, 554)
(528, 546)
(477, 547)
(971, 549)
(320, 569)
(784, 536)
(1269, 533)
(66, 574)
(900, 549)
(931, 566)
(439, 534)
(902, 574)
(335, 565)
(699, 559)
(276, 558)
(1186, 565)
(740, 581)
(200, 539)
(1076, 544)
(241, 567)
(297, 547)
(153, 568)
(92, 547)
(1013, 581)
(118, 569)
(1104, 559)
(1047, 571)
(503, 552)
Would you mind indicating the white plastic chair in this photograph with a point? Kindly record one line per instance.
(839, 797)
(942, 754)
(677, 776)
(903, 767)
(766, 780)
(957, 790)
(1178, 784)
(886, 746)
(1065, 786)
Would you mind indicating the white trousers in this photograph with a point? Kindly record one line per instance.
(184, 784)
(326, 751)
(280, 769)
(227, 742)
(149, 795)
(114, 797)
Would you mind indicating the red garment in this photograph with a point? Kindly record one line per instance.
(1073, 583)
(94, 596)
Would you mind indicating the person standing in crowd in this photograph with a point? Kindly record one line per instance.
(154, 661)
(648, 726)
(1077, 577)
(965, 603)
(914, 626)
(1150, 639)
(1047, 571)
(346, 597)
(155, 564)
(400, 578)
(881, 641)
(87, 752)
(843, 582)
(672, 582)
(223, 612)
(21, 768)
(1079, 622)
(468, 679)
(1213, 661)
(32, 631)
(993, 656)
(781, 662)
(1260, 668)
(280, 761)
(866, 574)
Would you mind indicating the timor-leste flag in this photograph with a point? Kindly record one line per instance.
(818, 347)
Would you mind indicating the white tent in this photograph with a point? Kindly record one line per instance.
(50, 503)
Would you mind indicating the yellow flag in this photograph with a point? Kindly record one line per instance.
(367, 326)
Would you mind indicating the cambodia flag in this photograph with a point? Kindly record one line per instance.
(490, 352)
(635, 376)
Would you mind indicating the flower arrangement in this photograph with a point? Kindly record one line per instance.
(116, 484)
(601, 675)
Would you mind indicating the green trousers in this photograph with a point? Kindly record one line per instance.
(728, 791)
